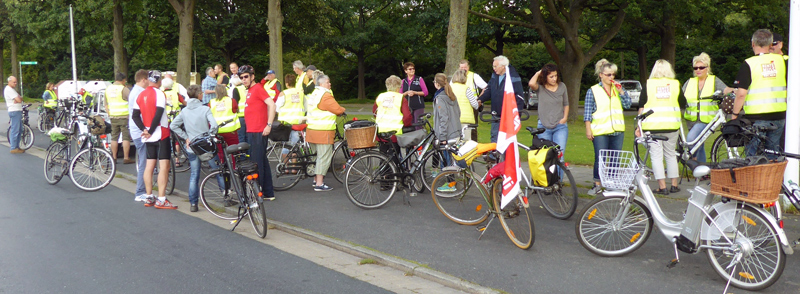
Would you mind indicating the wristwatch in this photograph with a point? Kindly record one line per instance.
(269, 125)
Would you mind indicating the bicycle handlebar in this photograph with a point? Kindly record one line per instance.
(523, 116)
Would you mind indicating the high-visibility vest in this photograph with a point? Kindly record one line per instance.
(318, 119)
(708, 109)
(116, 106)
(608, 117)
(767, 92)
(463, 103)
(242, 99)
(299, 83)
(268, 87)
(52, 102)
(471, 84)
(222, 110)
(389, 116)
(293, 109)
(173, 98)
(220, 76)
(86, 95)
(662, 99)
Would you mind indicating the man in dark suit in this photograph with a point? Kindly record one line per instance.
(495, 90)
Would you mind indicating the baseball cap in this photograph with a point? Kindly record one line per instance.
(776, 38)
(154, 76)
(311, 67)
(270, 72)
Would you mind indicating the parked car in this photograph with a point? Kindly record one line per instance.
(634, 89)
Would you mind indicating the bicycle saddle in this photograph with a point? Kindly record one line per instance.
(238, 147)
(299, 127)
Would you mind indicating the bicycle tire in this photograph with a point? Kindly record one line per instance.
(562, 202)
(55, 163)
(214, 199)
(255, 208)
(179, 152)
(285, 177)
(26, 138)
(754, 272)
(92, 169)
(720, 150)
(428, 171)
(597, 216)
(170, 182)
(370, 180)
(341, 155)
(515, 218)
(40, 123)
(464, 201)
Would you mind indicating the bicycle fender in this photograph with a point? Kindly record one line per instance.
(610, 193)
(708, 232)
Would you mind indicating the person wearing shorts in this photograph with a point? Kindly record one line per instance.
(150, 117)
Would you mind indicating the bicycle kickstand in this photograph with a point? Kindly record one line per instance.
(674, 262)
(406, 199)
(482, 229)
(238, 220)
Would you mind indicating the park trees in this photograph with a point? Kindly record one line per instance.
(185, 11)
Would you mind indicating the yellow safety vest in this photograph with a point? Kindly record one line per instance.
(662, 99)
(293, 109)
(470, 84)
(708, 109)
(268, 87)
(51, 103)
(767, 92)
(222, 110)
(116, 106)
(85, 95)
(299, 83)
(220, 76)
(317, 119)
(389, 116)
(463, 103)
(608, 117)
(173, 98)
(242, 99)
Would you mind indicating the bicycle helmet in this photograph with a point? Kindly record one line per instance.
(246, 69)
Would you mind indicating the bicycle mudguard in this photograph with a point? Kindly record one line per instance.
(708, 232)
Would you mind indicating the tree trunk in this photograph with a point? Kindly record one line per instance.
(668, 44)
(571, 69)
(643, 68)
(120, 60)
(275, 23)
(361, 69)
(2, 60)
(499, 42)
(456, 35)
(185, 11)
(14, 60)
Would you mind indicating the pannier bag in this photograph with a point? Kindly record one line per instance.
(411, 139)
(98, 125)
(246, 166)
(537, 143)
(543, 163)
(733, 132)
(280, 132)
(203, 147)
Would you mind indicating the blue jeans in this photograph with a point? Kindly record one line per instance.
(558, 135)
(612, 142)
(141, 160)
(773, 137)
(494, 132)
(258, 154)
(194, 176)
(16, 128)
(294, 137)
(694, 132)
(242, 130)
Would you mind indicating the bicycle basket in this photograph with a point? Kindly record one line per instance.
(203, 147)
(467, 152)
(246, 166)
(617, 169)
(361, 134)
(756, 183)
(411, 139)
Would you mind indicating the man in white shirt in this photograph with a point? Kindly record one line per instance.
(136, 134)
(14, 104)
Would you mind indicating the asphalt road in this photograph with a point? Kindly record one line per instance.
(557, 263)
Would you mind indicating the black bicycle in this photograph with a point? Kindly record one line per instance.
(26, 136)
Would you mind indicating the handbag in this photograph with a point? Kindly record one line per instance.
(280, 132)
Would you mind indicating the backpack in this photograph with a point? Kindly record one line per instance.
(543, 163)
(733, 132)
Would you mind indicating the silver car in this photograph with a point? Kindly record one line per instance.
(634, 89)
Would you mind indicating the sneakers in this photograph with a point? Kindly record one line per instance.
(149, 201)
(193, 207)
(435, 173)
(17, 151)
(447, 187)
(322, 188)
(594, 190)
(165, 205)
(269, 198)
(140, 198)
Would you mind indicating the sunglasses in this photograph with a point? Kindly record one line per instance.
(699, 67)
(410, 68)
(609, 75)
(244, 76)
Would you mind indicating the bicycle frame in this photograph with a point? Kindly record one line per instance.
(695, 144)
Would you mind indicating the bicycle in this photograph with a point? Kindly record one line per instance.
(90, 169)
(372, 177)
(46, 119)
(687, 149)
(734, 234)
(243, 178)
(26, 136)
(179, 159)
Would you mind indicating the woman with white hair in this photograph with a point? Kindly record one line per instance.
(700, 112)
(661, 96)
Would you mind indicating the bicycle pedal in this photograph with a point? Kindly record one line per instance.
(480, 228)
(673, 263)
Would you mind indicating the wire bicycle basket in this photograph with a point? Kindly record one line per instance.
(617, 169)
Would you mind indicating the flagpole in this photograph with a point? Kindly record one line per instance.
(72, 43)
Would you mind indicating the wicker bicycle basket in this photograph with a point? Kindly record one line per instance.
(755, 184)
(361, 137)
(617, 169)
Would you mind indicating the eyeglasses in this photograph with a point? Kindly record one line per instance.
(410, 68)
(609, 74)
(699, 67)
(244, 76)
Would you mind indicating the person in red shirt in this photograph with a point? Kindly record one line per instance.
(258, 116)
(150, 117)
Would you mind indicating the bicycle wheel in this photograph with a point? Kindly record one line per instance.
(55, 163)
(40, 123)
(370, 180)
(603, 230)
(170, 182)
(720, 150)
(92, 169)
(219, 201)
(26, 137)
(286, 172)
(49, 122)
(753, 241)
(180, 162)
(255, 208)
(516, 219)
(432, 163)
(341, 154)
(460, 198)
(562, 200)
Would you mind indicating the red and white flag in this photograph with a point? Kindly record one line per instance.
(507, 142)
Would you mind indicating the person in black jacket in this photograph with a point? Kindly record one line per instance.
(495, 90)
